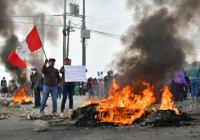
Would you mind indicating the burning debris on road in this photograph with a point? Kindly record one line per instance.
(124, 107)
(21, 96)
(165, 118)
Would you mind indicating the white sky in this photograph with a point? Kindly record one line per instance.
(109, 16)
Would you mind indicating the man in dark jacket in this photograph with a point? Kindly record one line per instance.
(35, 85)
(51, 81)
(68, 89)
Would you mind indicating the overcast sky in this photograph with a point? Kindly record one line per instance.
(109, 16)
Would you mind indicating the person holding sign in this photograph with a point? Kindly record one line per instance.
(68, 90)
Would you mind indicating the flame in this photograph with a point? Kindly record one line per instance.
(20, 96)
(154, 109)
(123, 106)
(167, 103)
(91, 100)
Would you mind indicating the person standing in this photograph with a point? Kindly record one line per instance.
(193, 74)
(35, 85)
(101, 88)
(4, 88)
(77, 89)
(51, 82)
(68, 90)
(90, 88)
(180, 86)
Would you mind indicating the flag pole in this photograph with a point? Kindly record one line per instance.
(44, 52)
(35, 23)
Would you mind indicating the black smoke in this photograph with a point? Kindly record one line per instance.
(6, 27)
(159, 49)
(7, 32)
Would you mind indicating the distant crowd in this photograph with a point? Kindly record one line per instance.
(49, 80)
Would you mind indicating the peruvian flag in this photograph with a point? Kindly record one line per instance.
(29, 45)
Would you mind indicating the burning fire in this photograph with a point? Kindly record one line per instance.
(91, 100)
(124, 106)
(167, 103)
(20, 96)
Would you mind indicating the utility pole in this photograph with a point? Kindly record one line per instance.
(68, 34)
(39, 21)
(83, 38)
(64, 30)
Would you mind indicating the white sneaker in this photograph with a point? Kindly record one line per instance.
(61, 115)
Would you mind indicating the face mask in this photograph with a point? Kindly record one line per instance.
(34, 72)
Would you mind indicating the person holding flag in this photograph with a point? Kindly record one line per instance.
(51, 82)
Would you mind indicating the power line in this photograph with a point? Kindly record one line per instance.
(79, 27)
(106, 33)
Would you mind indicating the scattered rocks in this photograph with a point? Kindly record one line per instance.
(40, 126)
(4, 102)
(190, 106)
(4, 116)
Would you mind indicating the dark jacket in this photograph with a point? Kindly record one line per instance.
(36, 80)
(70, 85)
(51, 76)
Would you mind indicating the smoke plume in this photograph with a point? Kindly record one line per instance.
(7, 31)
(159, 49)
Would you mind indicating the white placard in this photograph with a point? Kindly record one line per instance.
(75, 73)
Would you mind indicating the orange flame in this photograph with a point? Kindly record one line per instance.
(123, 106)
(167, 103)
(91, 100)
(20, 96)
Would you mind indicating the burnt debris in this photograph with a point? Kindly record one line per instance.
(85, 116)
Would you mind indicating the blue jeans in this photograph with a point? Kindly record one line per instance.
(67, 92)
(194, 87)
(46, 90)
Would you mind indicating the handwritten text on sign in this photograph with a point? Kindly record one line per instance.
(75, 73)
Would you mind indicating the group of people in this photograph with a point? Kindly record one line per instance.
(6, 89)
(186, 82)
(48, 80)
(51, 82)
(99, 87)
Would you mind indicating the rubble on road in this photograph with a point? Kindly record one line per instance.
(189, 106)
(5, 116)
(4, 102)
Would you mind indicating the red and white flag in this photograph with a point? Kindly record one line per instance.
(29, 45)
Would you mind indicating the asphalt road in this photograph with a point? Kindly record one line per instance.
(23, 130)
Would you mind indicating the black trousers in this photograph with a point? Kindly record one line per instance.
(179, 92)
(67, 92)
(37, 97)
